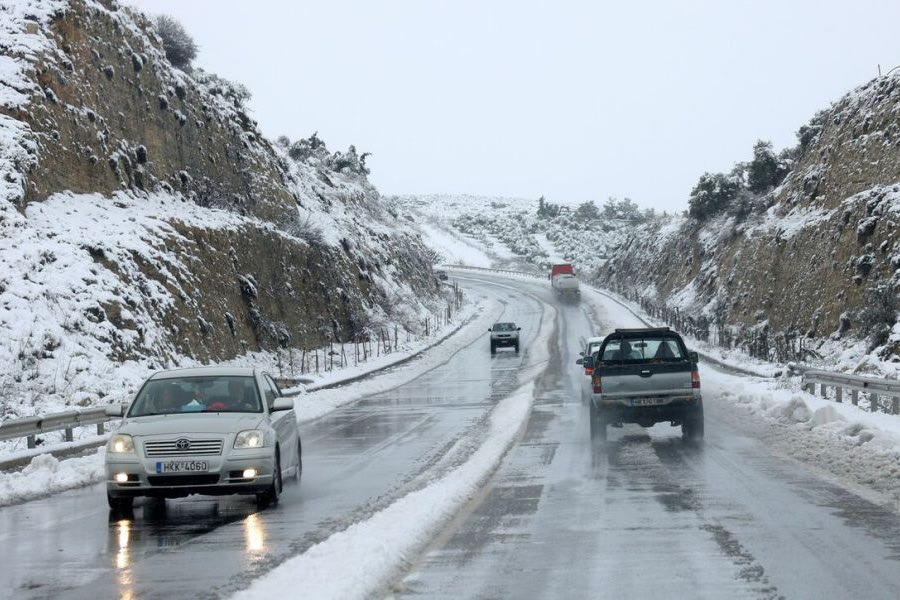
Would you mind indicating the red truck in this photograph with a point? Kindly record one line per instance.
(561, 268)
(563, 281)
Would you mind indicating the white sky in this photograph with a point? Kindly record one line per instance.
(572, 100)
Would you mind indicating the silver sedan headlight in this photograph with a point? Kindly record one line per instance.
(252, 438)
(120, 443)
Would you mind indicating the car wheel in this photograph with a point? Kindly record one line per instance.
(119, 504)
(493, 349)
(299, 470)
(517, 348)
(270, 496)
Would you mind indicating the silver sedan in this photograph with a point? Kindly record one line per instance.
(211, 430)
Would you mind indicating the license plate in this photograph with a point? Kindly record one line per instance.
(182, 466)
(647, 401)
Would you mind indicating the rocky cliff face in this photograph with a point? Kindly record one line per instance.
(144, 218)
(821, 262)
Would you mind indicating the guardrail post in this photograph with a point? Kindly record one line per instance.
(838, 393)
(100, 429)
(31, 442)
(823, 390)
(810, 387)
(69, 434)
(873, 402)
(854, 397)
(895, 405)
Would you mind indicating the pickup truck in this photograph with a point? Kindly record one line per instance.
(645, 376)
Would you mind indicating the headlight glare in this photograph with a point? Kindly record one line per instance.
(252, 438)
(121, 443)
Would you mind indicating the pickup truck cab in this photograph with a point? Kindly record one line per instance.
(646, 376)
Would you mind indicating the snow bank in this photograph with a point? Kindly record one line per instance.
(47, 475)
(859, 448)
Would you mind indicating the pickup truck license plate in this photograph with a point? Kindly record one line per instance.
(182, 466)
(646, 401)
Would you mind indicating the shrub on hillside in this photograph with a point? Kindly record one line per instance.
(766, 170)
(879, 314)
(547, 210)
(712, 194)
(808, 133)
(236, 93)
(178, 44)
(587, 211)
(624, 210)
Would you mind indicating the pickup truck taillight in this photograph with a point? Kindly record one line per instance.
(695, 380)
(588, 370)
(598, 388)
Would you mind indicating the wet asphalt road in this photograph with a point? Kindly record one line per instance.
(643, 516)
(647, 516)
(356, 460)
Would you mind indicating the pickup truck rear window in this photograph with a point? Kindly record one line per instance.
(651, 348)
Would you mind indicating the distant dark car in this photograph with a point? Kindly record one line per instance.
(504, 335)
(442, 275)
(646, 376)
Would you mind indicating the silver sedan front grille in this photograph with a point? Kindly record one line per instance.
(183, 447)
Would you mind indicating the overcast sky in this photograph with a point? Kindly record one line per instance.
(570, 100)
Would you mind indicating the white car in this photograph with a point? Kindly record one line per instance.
(210, 430)
(587, 361)
(591, 346)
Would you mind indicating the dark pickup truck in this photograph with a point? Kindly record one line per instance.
(645, 376)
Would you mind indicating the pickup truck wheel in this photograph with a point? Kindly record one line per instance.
(598, 426)
(517, 348)
(493, 349)
(692, 428)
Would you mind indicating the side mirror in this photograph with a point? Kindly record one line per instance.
(580, 361)
(694, 357)
(581, 354)
(282, 404)
(518, 329)
(116, 410)
(489, 329)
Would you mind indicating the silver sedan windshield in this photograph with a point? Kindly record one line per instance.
(196, 394)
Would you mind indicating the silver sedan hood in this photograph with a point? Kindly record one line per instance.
(185, 423)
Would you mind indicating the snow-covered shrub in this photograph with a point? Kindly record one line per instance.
(178, 45)
(879, 314)
(713, 192)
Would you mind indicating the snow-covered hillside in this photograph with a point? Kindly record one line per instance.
(511, 232)
(145, 221)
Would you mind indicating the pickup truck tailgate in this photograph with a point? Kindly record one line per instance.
(661, 379)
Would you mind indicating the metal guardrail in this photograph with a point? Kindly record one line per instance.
(883, 394)
(67, 421)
